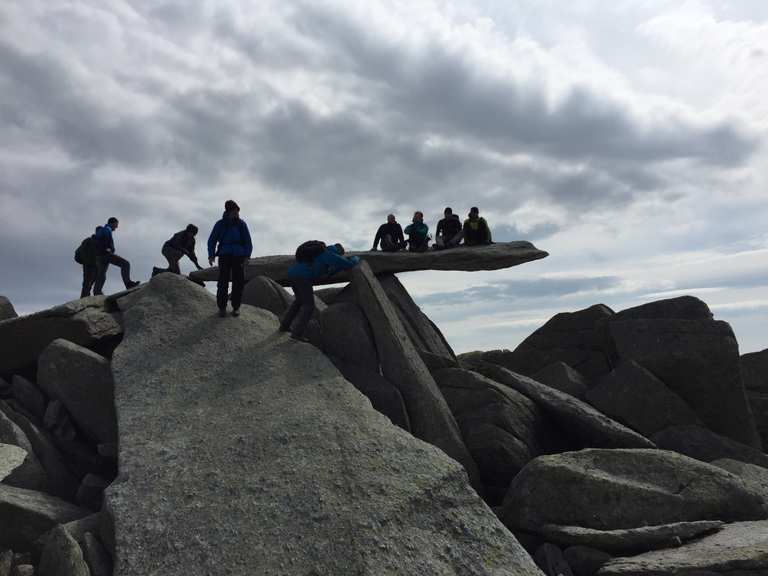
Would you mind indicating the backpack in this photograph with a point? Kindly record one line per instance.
(309, 250)
(87, 253)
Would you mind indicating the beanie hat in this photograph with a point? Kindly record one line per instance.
(230, 205)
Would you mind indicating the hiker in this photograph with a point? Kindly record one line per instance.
(106, 249)
(476, 231)
(314, 260)
(418, 237)
(181, 244)
(230, 240)
(88, 254)
(449, 231)
(391, 236)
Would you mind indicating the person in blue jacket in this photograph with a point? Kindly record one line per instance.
(230, 240)
(106, 249)
(302, 275)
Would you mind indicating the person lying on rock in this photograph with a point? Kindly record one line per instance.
(181, 244)
(449, 231)
(391, 236)
(314, 260)
(476, 230)
(106, 248)
(230, 241)
(418, 234)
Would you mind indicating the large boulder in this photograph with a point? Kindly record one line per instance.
(347, 336)
(431, 419)
(62, 556)
(562, 377)
(264, 292)
(620, 489)
(682, 307)
(269, 458)
(754, 477)
(30, 474)
(583, 425)
(86, 322)
(575, 338)
(754, 371)
(739, 549)
(82, 381)
(29, 397)
(26, 515)
(7, 310)
(502, 429)
(633, 396)
(11, 458)
(705, 445)
(697, 358)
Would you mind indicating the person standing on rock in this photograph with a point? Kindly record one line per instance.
(391, 236)
(314, 260)
(449, 231)
(230, 240)
(181, 244)
(476, 230)
(107, 256)
(418, 233)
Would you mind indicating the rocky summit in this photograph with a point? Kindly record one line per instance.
(142, 434)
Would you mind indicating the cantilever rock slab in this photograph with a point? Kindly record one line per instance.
(470, 259)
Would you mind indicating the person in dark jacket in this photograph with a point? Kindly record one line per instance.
(476, 230)
(391, 236)
(449, 231)
(230, 240)
(302, 276)
(418, 233)
(107, 256)
(181, 244)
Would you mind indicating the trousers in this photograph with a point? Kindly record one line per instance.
(230, 267)
(302, 307)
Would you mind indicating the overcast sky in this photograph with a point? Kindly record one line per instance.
(626, 138)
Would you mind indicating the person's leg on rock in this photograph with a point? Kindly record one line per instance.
(101, 275)
(125, 270)
(306, 297)
(173, 256)
(222, 286)
(89, 278)
(238, 283)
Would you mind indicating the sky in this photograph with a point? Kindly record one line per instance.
(627, 139)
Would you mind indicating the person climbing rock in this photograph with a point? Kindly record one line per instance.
(88, 254)
(106, 249)
(476, 230)
(314, 260)
(391, 236)
(449, 231)
(230, 241)
(418, 234)
(181, 244)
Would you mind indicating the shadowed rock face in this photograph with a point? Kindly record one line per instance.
(493, 257)
(268, 458)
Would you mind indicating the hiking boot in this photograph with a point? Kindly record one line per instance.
(222, 312)
(236, 312)
(132, 284)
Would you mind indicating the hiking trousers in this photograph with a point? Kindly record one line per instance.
(301, 309)
(173, 256)
(101, 273)
(230, 267)
(89, 278)
(389, 245)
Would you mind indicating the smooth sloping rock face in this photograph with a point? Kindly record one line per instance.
(705, 445)
(431, 419)
(631, 540)
(97, 558)
(11, 457)
(560, 376)
(684, 308)
(264, 292)
(7, 310)
(575, 338)
(754, 477)
(619, 489)
(493, 257)
(740, 548)
(502, 429)
(586, 426)
(265, 457)
(26, 515)
(84, 322)
(698, 360)
(62, 556)
(347, 335)
(633, 396)
(29, 397)
(754, 371)
(422, 331)
(82, 381)
(30, 474)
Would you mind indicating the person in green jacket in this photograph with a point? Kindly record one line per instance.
(418, 234)
(476, 230)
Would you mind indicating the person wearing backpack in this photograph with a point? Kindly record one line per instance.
(418, 234)
(476, 230)
(106, 248)
(230, 241)
(87, 254)
(314, 260)
(181, 244)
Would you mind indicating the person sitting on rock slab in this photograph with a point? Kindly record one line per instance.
(449, 231)
(107, 256)
(181, 244)
(314, 260)
(391, 236)
(476, 230)
(418, 233)
(230, 241)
